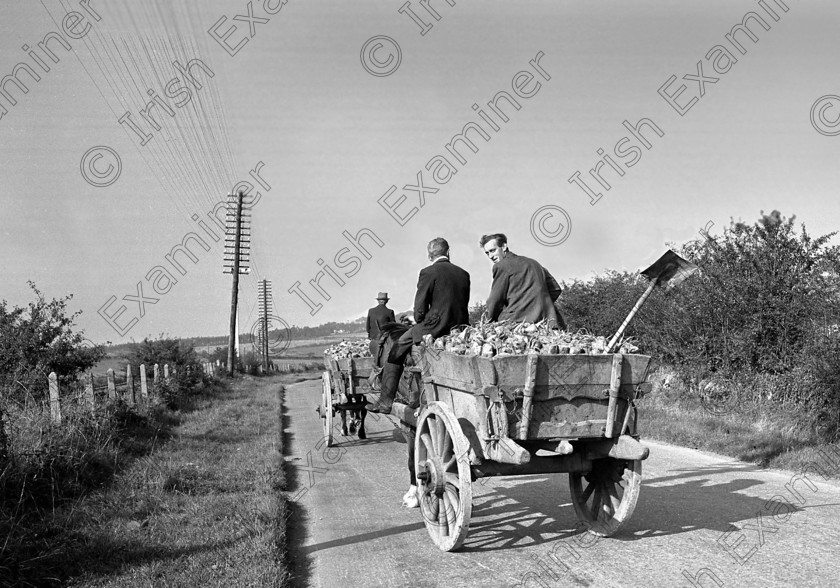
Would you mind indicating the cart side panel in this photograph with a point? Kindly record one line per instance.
(557, 375)
(568, 375)
(571, 393)
(576, 418)
(362, 366)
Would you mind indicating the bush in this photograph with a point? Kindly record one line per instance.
(477, 310)
(762, 312)
(762, 290)
(161, 351)
(37, 340)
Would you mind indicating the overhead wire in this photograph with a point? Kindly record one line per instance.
(191, 154)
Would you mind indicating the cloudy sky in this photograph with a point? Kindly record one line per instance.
(333, 104)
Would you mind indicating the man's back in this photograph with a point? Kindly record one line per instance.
(522, 291)
(442, 300)
(378, 316)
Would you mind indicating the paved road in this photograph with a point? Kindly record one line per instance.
(701, 520)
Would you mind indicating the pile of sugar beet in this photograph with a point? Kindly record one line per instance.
(491, 339)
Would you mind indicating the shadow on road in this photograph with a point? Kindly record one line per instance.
(298, 518)
(539, 510)
(340, 440)
(361, 538)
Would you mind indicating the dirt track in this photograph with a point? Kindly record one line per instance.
(732, 523)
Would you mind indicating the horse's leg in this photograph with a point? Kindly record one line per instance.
(344, 423)
(354, 419)
(362, 414)
(411, 499)
(412, 474)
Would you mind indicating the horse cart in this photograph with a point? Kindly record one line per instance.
(345, 383)
(526, 414)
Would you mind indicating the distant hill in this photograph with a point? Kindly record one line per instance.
(336, 330)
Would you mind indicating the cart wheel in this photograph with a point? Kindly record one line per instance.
(327, 409)
(443, 476)
(605, 498)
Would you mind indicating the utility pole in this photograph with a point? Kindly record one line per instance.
(265, 304)
(237, 249)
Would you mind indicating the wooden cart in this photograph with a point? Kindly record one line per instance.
(345, 383)
(490, 416)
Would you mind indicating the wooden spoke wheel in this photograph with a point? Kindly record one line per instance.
(604, 498)
(327, 408)
(443, 476)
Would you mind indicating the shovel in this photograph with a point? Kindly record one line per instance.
(669, 270)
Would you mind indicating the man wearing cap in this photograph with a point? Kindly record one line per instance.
(378, 316)
(522, 289)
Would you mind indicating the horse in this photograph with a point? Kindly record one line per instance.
(407, 384)
(357, 417)
(395, 377)
(384, 374)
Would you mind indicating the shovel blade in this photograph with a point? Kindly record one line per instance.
(669, 270)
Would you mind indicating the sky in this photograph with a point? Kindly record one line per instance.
(334, 103)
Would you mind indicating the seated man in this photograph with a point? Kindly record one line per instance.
(441, 302)
(522, 289)
(376, 317)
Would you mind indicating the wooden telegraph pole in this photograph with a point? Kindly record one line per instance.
(265, 304)
(237, 248)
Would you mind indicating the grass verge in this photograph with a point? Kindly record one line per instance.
(765, 434)
(204, 507)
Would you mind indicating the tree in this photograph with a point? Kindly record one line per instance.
(40, 339)
(161, 351)
(476, 311)
(762, 290)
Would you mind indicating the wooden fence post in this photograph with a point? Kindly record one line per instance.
(55, 404)
(144, 387)
(112, 388)
(129, 383)
(4, 440)
(90, 400)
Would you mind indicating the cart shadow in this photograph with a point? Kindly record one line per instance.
(376, 438)
(514, 515)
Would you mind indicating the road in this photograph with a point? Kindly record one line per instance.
(701, 520)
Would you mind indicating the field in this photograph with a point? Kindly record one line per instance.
(297, 349)
(299, 353)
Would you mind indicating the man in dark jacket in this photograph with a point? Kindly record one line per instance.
(522, 289)
(441, 302)
(378, 316)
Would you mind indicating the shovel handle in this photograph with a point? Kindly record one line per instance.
(630, 316)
